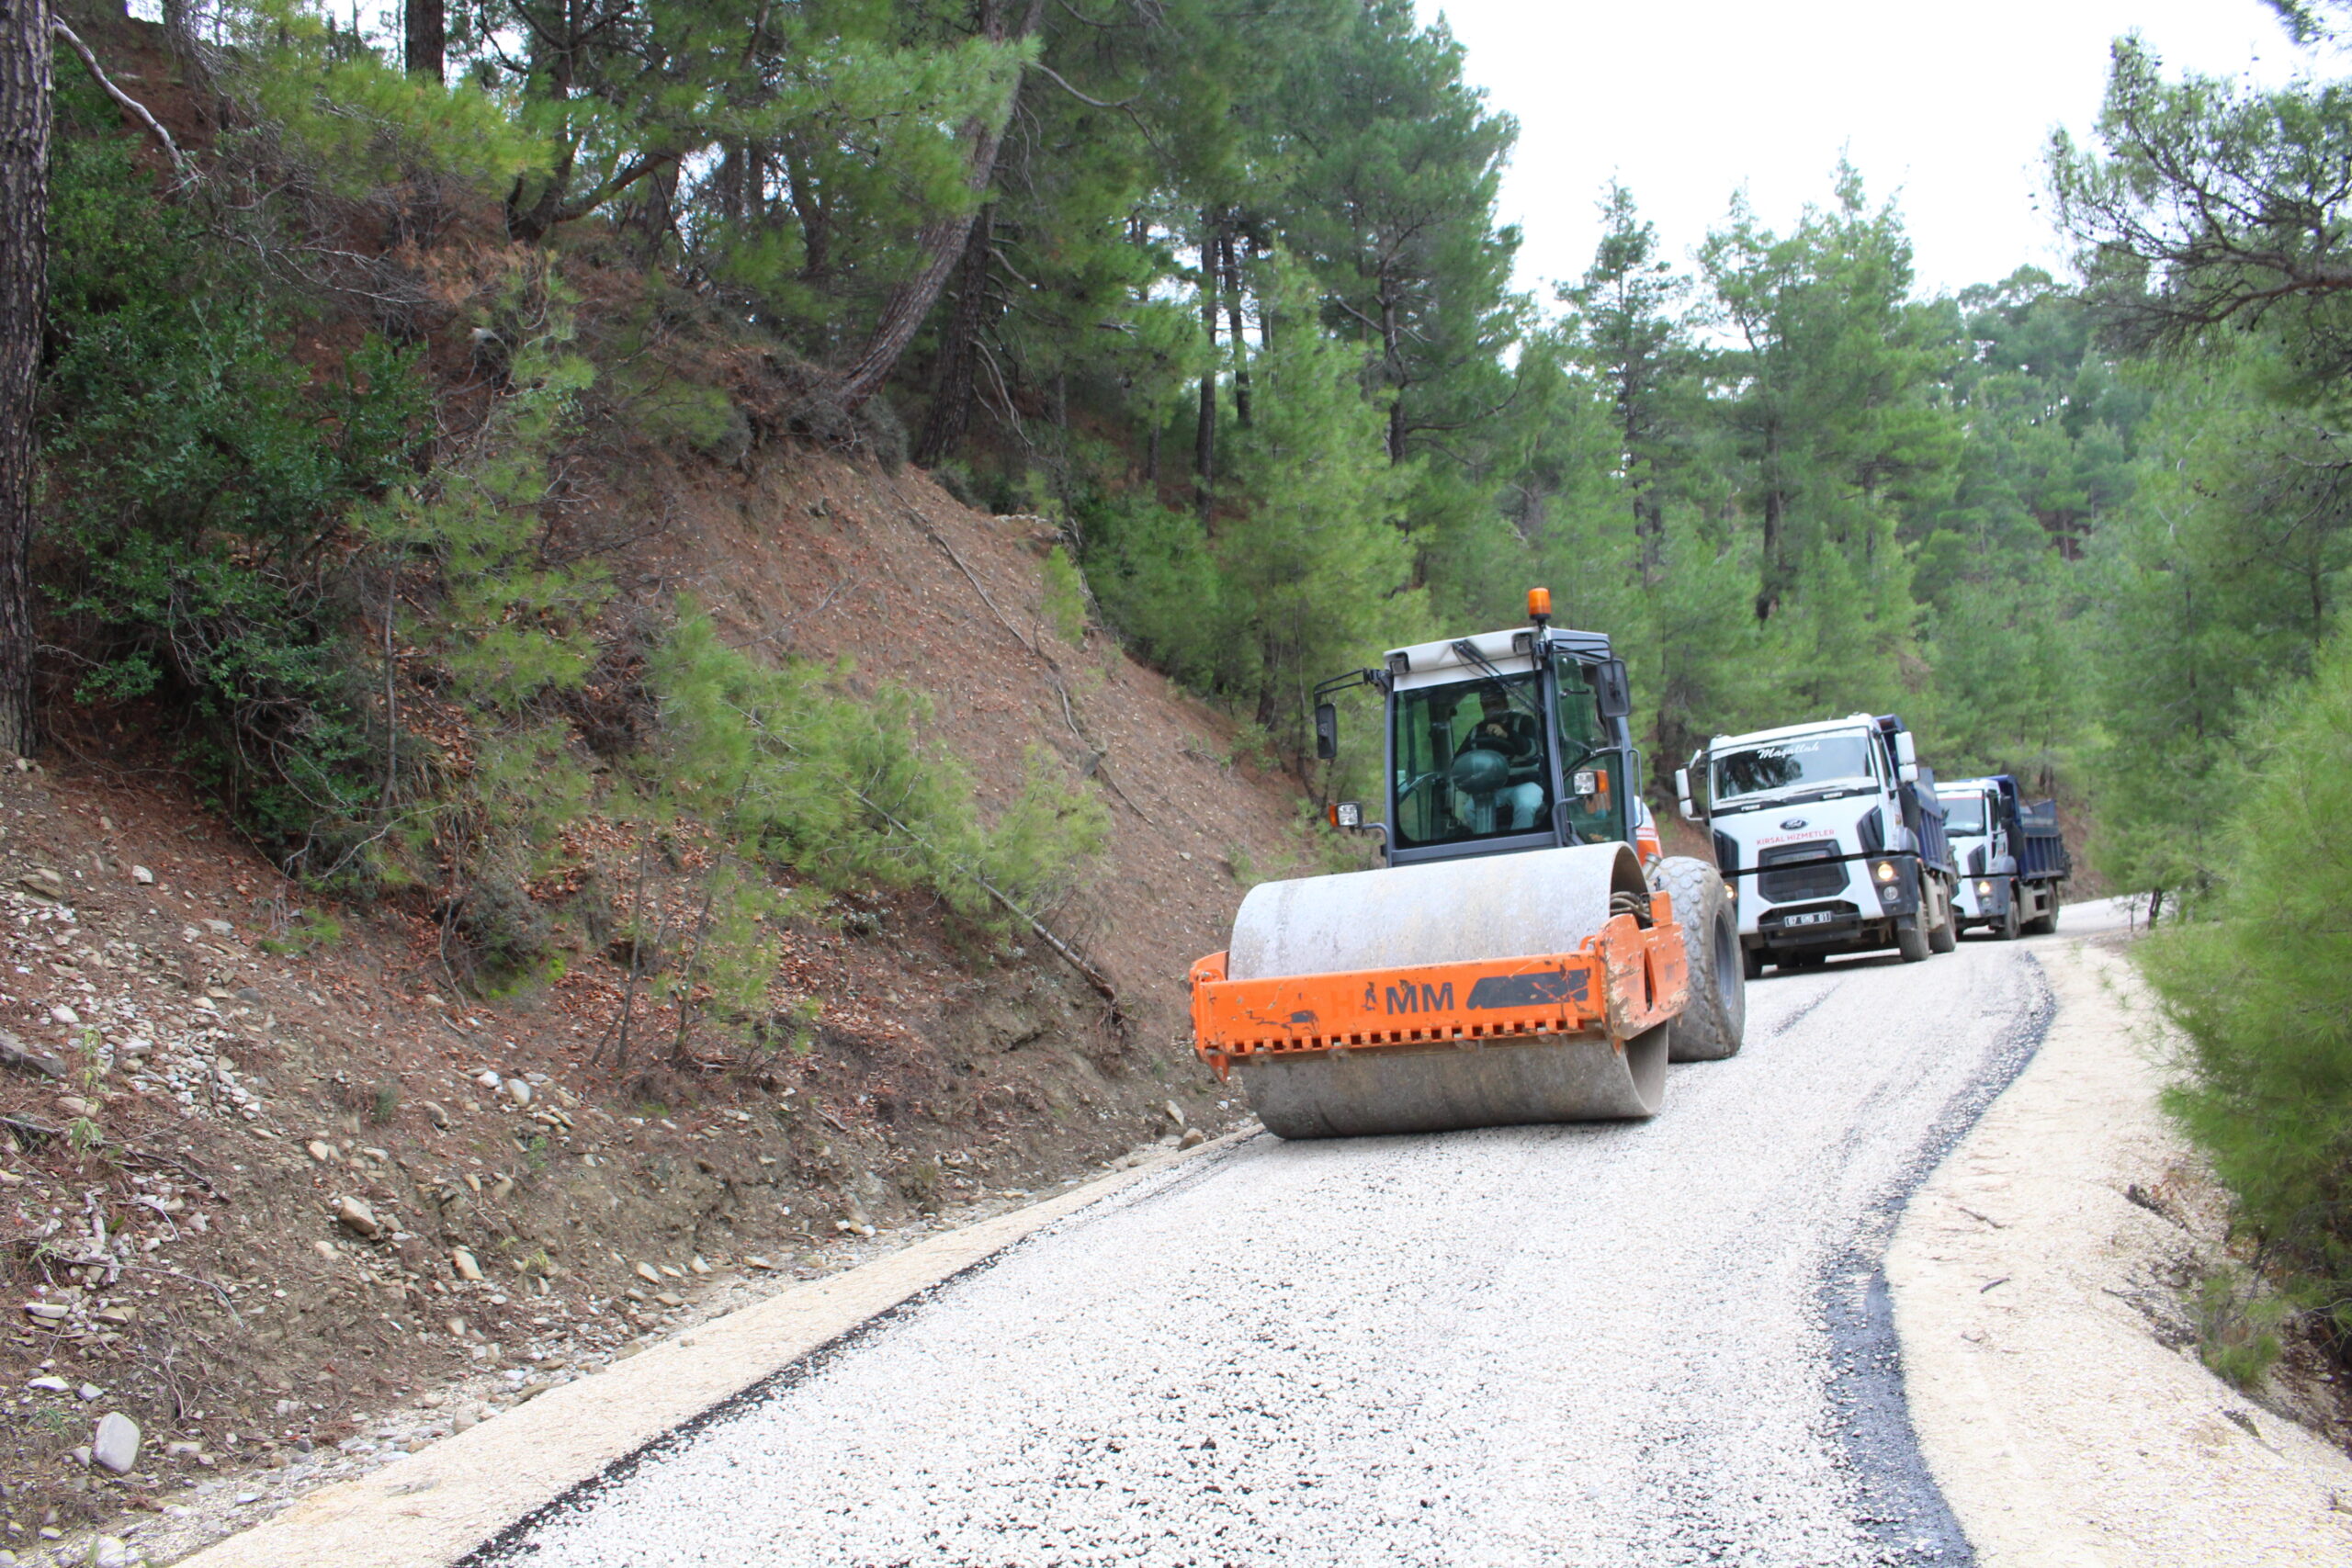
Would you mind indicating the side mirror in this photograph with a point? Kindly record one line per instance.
(1327, 732)
(1615, 690)
(1907, 748)
(1682, 794)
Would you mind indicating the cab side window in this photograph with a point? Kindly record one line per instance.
(1599, 816)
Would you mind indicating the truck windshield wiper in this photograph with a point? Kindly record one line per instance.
(1512, 690)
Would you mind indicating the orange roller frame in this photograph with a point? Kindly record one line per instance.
(1624, 980)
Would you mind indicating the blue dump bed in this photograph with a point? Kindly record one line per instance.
(1923, 815)
(2042, 853)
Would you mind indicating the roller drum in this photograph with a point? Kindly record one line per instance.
(1502, 906)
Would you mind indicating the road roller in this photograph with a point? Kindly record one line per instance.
(1523, 953)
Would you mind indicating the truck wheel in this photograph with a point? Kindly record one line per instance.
(1751, 964)
(1944, 936)
(2006, 927)
(2044, 925)
(1911, 935)
(1715, 1018)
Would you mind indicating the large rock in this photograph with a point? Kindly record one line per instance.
(14, 1053)
(116, 1446)
(358, 1216)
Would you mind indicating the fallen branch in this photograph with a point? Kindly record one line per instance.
(30, 1129)
(917, 518)
(131, 105)
(1053, 671)
(1093, 976)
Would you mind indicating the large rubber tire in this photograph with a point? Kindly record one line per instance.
(1714, 1020)
(2006, 927)
(2044, 925)
(1911, 936)
(1944, 937)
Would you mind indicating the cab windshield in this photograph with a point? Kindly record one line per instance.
(1809, 763)
(1964, 815)
(1470, 761)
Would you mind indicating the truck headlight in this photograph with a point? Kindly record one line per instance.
(1984, 890)
(1886, 871)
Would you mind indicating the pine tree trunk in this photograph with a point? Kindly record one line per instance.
(951, 394)
(25, 109)
(1204, 427)
(1233, 330)
(941, 243)
(428, 40)
(1393, 367)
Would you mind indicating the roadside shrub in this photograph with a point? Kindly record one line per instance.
(2259, 980)
(502, 935)
(196, 472)
(844, 789)
(1065, 597)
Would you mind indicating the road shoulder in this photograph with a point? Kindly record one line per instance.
(440, 1505)
(2060, 1429)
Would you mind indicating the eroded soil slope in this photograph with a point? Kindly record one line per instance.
(252, 1163)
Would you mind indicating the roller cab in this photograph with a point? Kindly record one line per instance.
(1516, 959)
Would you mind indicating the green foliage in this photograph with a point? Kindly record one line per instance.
(843, 788)
(1065, 596)
(2238, 1319)
(198, 469)
(2260, 983)
(358, 125)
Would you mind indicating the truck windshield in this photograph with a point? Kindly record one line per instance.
(1470, 761)
(1963, 815)
(1785, 764)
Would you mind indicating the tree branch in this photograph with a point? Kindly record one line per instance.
(131, 105)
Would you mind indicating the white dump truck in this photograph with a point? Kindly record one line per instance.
(2012, 861)
(1831, 838)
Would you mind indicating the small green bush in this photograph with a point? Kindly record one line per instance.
(844, 789)
(1065, 597)
(2259, 979)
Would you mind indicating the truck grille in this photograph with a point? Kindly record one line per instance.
(1798, 871)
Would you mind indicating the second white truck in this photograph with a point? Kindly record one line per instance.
(2012, 861)
(1830, 836)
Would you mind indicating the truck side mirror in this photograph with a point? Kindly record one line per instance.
(1682, 794)
(1906, 757)
(1614, 691)
(1327, 732)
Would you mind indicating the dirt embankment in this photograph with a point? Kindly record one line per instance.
(251, 1169)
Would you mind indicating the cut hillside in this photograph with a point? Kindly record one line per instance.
(258, 1143)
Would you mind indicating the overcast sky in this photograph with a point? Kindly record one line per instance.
(1949, 107)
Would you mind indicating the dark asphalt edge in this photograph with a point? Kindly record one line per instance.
(1898, 1503)
(511, 1544)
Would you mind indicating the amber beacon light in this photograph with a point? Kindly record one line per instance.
(1539, 605)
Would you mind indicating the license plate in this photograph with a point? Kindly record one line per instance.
(1819, 918)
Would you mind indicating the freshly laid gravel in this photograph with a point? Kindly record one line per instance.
(1622, 1344)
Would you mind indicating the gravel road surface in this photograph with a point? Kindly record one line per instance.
(1622, 1343)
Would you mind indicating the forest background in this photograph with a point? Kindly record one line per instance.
(1220, 289)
